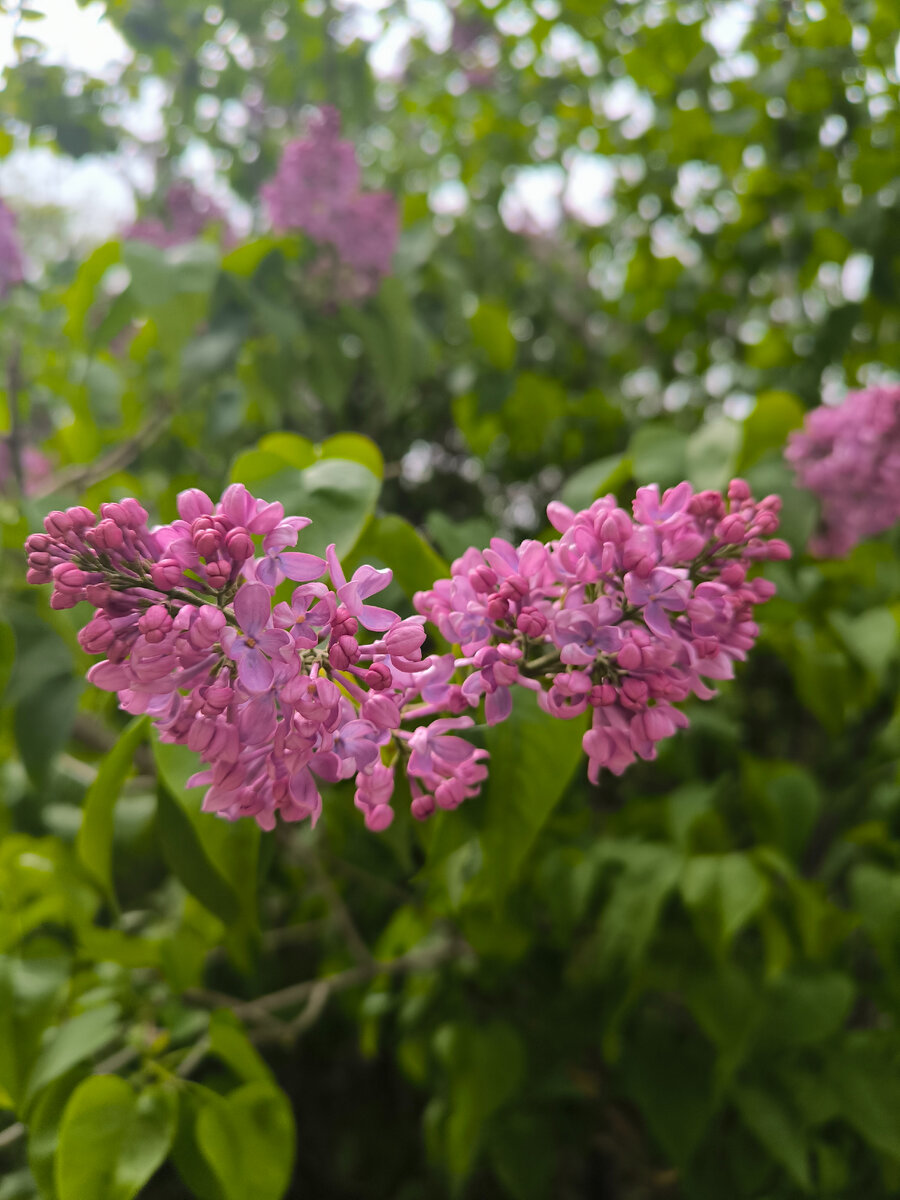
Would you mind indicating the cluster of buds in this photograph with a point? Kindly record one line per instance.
(849, 456)
(280, 691)
(624, 615)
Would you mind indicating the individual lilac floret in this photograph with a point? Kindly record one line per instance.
(623, 615)
(849, 457)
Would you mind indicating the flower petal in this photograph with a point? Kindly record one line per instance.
(301, 567)
(253, 607)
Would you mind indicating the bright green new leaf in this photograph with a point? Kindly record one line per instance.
(73, 1042)
(111, 1140)
(95, 837)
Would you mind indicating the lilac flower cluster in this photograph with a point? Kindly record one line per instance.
(621, 615)
(849, 457)
(11, 265)
(317, 190)
(275, 697)
(36, 467)
(189, 214)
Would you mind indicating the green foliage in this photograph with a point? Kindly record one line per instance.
(684, 982)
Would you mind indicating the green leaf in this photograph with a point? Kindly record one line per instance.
(73, 1042)
(351, 447)
(711, 453)
(724, 891)
(111, 1141)
(43, 1130)
(865, 1074)
(776, 1127)
(248, 1140)
(803, 1008)
(43, 720)
(533, 757)
(401, 547)
(872, 638)
(486, 1065)
(207, 852)
(647, 875)
(187, 859)
(596, 479)
(491, 333)
(767, 426)
(668, 1074)
(657, 453)
(229, 1042)
(95, 837)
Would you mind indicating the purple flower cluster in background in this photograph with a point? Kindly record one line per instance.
(36, 467)
(316, 190)
(622, 615)
(189, 214)
(11, 264)
(849, 457)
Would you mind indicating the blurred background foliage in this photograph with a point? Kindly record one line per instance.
(638, 242)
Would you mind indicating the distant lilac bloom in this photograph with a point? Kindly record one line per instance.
(252, 648)
(316, 190)
(848, 455)
(11, 264)
(190, 212)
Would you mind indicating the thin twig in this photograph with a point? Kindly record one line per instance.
(83, 475)
(298, 993)
(193, 1058)
(11, 1134)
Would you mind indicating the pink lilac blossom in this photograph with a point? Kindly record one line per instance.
(189, 213)
(11, 264)
(278, 698)
(36, 468)
(849, 457)
(622, 616)
(316, 190)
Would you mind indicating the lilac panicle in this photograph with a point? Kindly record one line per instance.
(849, 456)
(621, 616)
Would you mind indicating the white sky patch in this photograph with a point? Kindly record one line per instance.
(727, 27)
(589, 192)
(74, 37)
(532, 203)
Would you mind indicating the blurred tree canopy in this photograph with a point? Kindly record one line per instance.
(638, 242)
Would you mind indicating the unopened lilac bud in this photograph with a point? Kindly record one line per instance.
(155, 623)
(405, 637)
(629, 657)
(194, 503)
(379, 818)
(166, 574)
(239, 544)
(57, 524)
(97, 636)
(498, 608)
(531, 622)
(378, 677)
(422, 807)
(731, 529)
(218, 574)
(382, 711)
(738, 491)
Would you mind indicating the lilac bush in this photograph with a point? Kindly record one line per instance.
(623, 616)
(849, 457)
